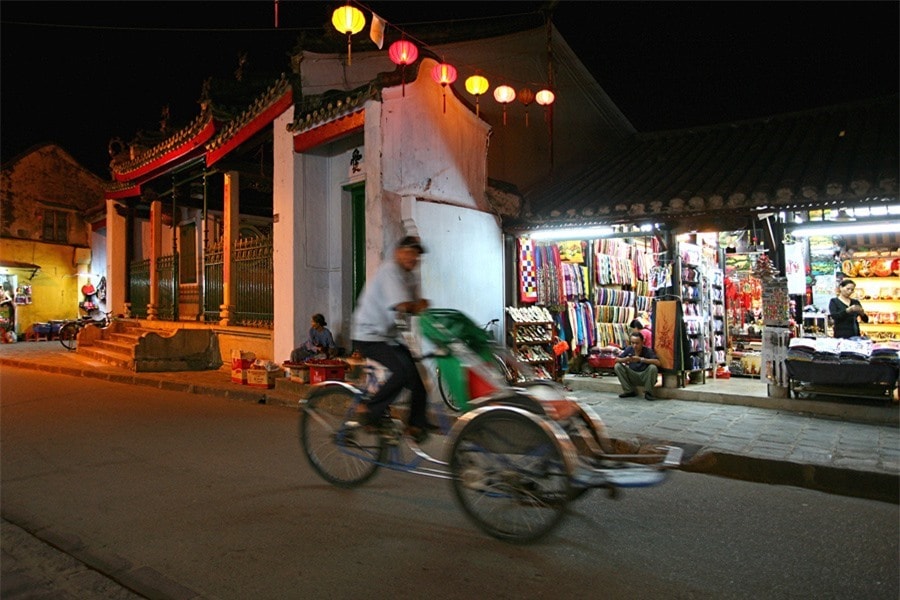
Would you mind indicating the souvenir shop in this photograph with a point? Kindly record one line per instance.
(597, 290)
(707, 298)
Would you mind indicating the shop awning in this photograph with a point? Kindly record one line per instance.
(15, 264)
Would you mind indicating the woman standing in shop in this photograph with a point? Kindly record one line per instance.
(846, 311)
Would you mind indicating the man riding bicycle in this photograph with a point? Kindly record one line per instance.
(394, 291)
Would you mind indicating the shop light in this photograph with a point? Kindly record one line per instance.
(848, 229)
(583, 233)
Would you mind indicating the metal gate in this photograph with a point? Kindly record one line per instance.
(167, 271)
(139, 287)
(254, 282)
(213, 280)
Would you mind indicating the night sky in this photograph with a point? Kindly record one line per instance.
(80, 73)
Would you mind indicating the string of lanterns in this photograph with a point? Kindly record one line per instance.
(350, 20)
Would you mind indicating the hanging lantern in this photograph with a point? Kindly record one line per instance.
(504, 95)
(477, 85)
(403, 52)
(444, 74)
(348, 19)
(526, 97)
(545, 97)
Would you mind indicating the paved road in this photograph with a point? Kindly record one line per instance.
(180, 495)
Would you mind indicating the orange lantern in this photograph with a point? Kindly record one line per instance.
(504, 95)
(526, 97)
(403, 52)
(350, 20)
(444, 74)
(477, 85)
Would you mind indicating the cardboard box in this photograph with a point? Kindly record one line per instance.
(261, 378)
(320, 373)
(240, 363)
(298, 373)
(239, 376)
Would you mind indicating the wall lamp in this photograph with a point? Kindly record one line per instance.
(582, 233)
(846, 229)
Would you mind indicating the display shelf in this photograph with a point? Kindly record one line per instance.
(815, 324)
(533, 331)
(717, 336)
(695, 299)
(880, 296)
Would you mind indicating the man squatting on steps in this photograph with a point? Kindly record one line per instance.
(637, 365)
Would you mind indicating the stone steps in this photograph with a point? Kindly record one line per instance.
(126, 344)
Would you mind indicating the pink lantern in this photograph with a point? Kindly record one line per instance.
(403, 52)
(504, 95)
(444, 74)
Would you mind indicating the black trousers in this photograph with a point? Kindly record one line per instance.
(404, 374)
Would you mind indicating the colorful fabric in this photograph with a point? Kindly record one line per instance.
(528, 276)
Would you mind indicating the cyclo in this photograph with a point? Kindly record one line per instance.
(515, 456)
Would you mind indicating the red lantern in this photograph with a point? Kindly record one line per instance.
(444, 74)
(403, 52)
(526, 96)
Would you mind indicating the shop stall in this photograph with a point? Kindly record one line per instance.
(844, 368)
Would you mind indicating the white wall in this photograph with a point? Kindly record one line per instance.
(422, 167)
(464, 267)
(284, 232)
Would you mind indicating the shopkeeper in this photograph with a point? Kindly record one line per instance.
(846, 312)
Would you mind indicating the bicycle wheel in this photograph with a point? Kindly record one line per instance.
(338, 449)
(446, 394)
(509, 475)
(509, 375)
(68, 336)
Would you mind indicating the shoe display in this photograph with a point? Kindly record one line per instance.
(627, 394)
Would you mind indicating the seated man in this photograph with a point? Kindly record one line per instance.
(637, 365)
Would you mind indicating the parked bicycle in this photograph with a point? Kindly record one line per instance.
(515, 457)
(68, 333)
(500, 357)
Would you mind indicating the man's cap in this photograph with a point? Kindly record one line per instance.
(412, 241)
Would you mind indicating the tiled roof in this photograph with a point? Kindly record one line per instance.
(223, 133)
(259, 105)
(846, 154)
(316, 110)
(174, 141)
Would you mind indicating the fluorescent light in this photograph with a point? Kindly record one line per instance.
(583, 233)
(849, 229)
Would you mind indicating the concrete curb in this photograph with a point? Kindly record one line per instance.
(142, 580)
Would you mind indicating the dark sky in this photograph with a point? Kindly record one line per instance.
(80, 73)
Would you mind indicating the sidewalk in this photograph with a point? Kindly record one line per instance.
(729, 428)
